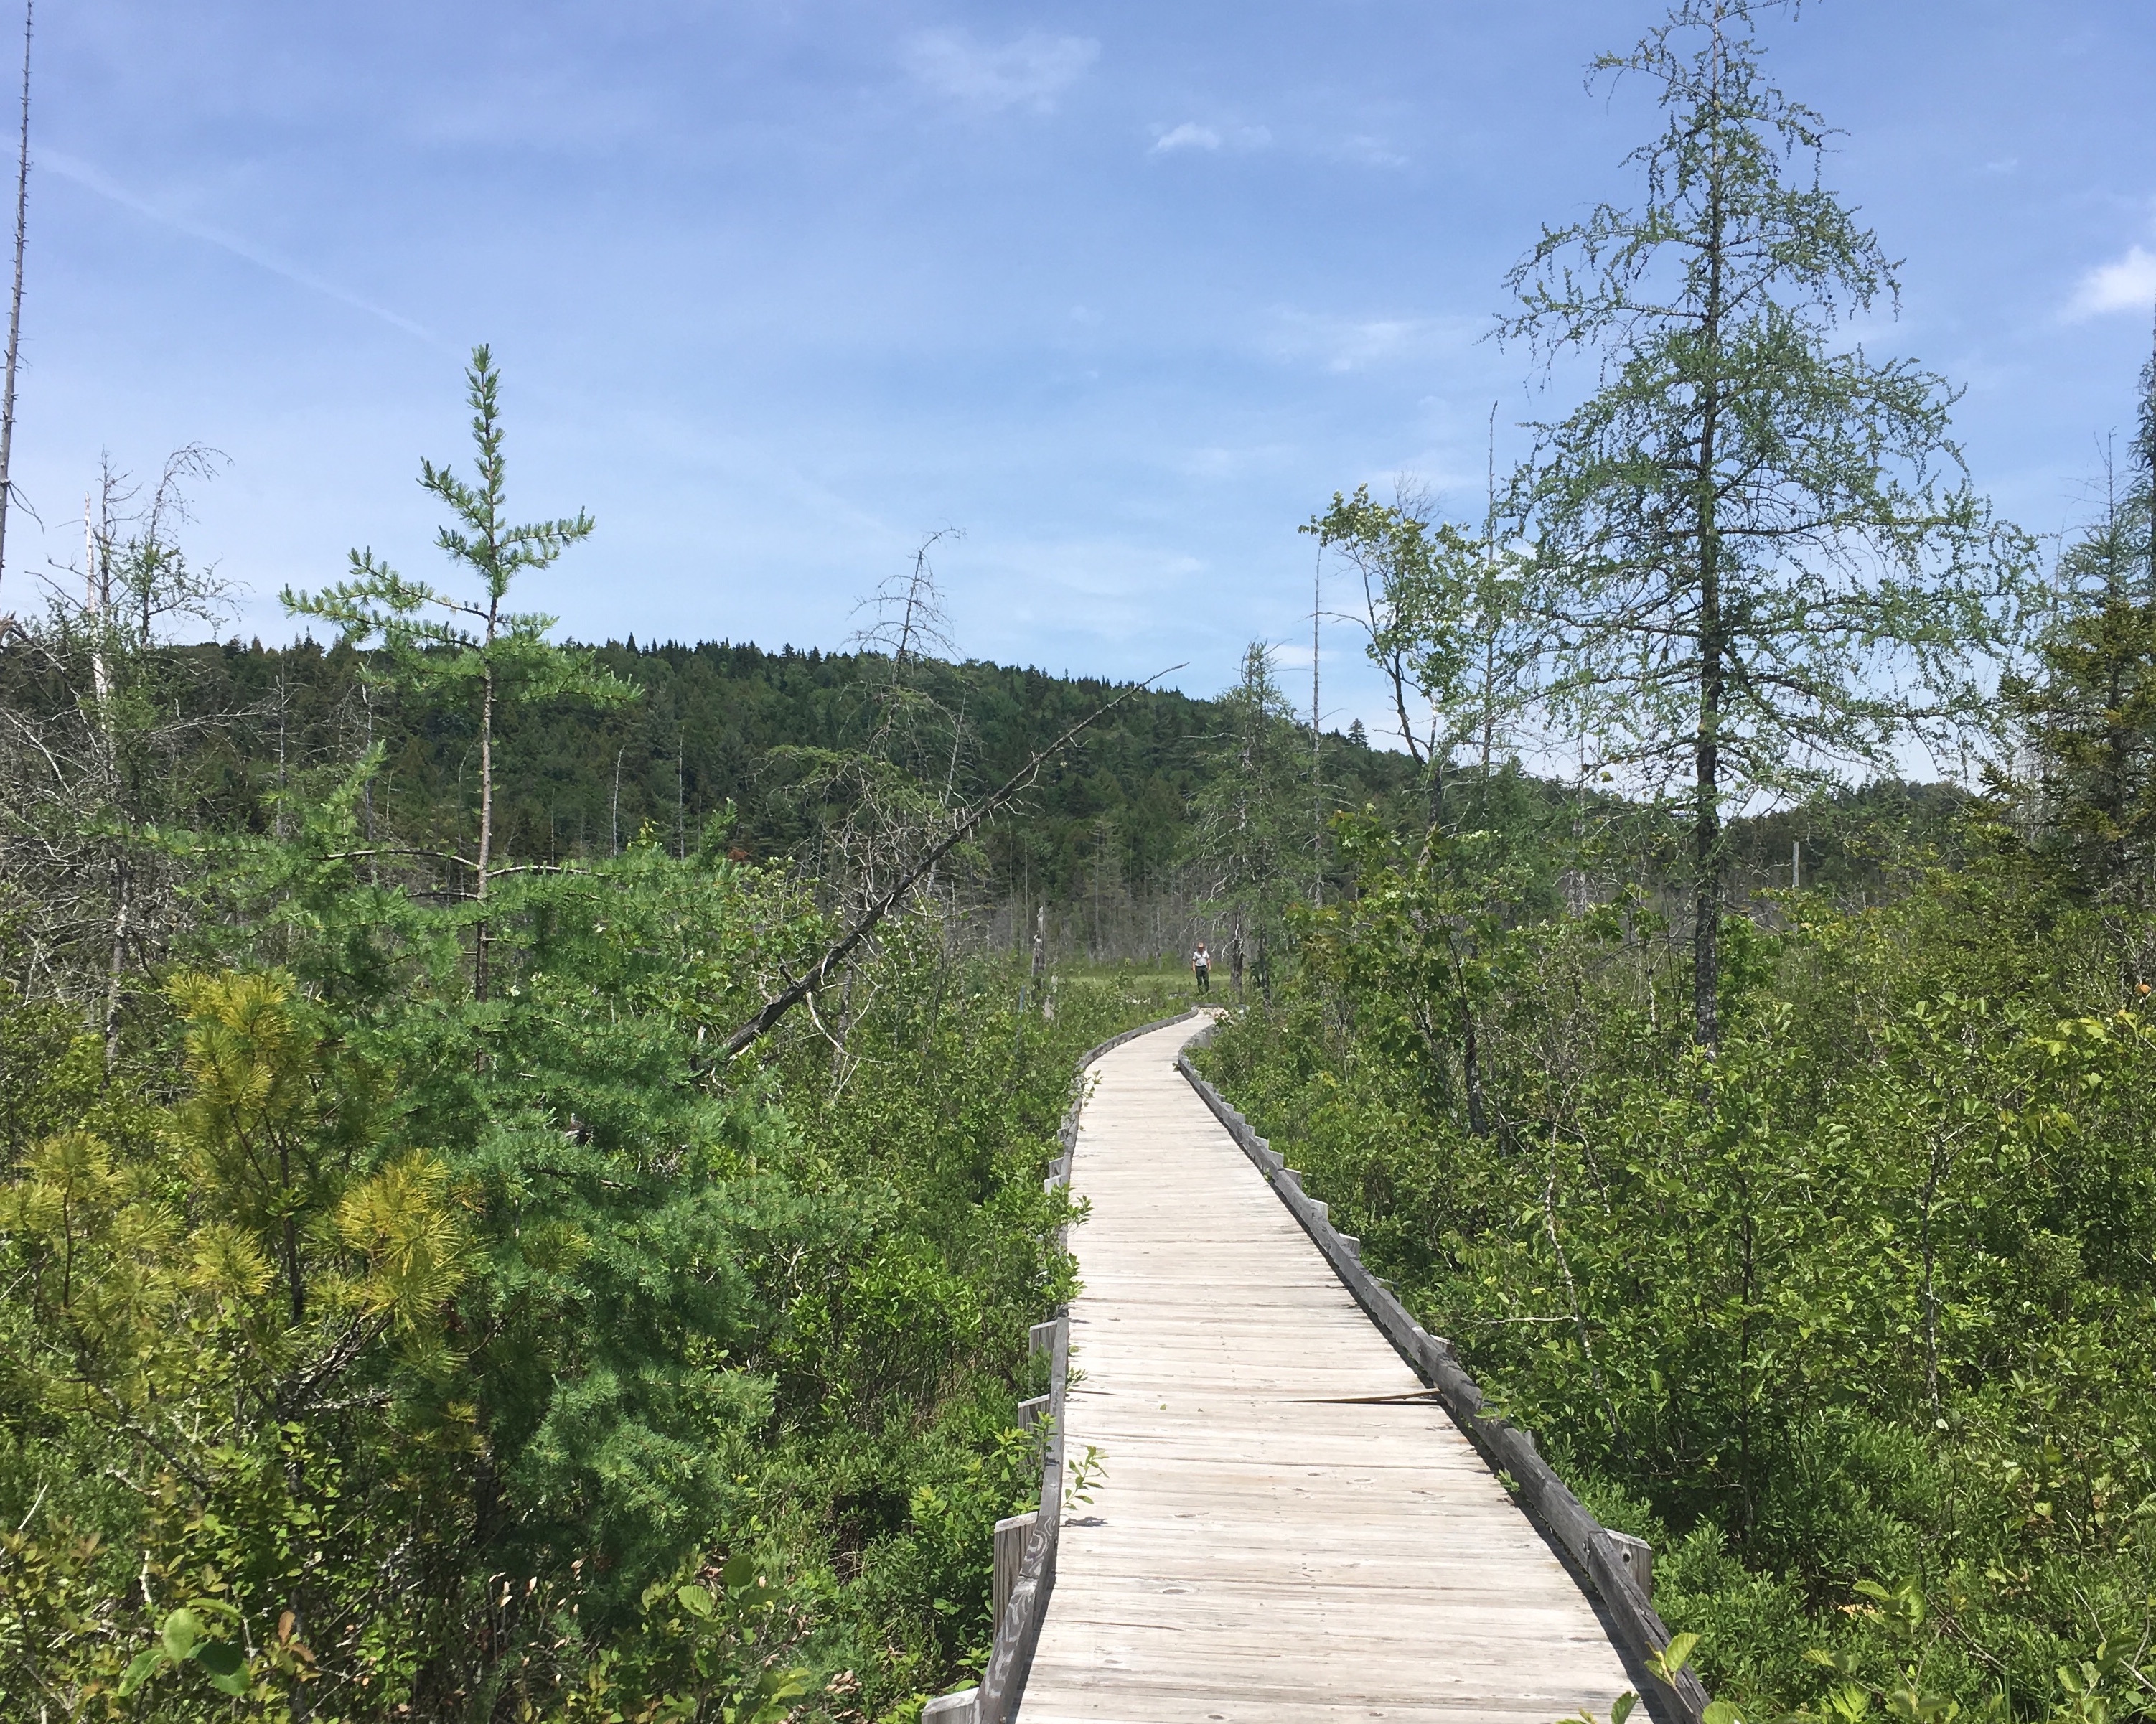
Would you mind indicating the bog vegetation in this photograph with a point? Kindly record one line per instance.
(409, 1305)
(468, 1250)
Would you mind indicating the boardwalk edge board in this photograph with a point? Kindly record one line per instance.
(1615, 1563)
(1017, 1629)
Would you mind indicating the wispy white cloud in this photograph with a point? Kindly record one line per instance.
(90, 179)
(1031, 72)
(1214, 461)
(1191, 135)
(1368, 151)
(2128, 283)
(1454, 470)
(1099, 590)
(1346, 344)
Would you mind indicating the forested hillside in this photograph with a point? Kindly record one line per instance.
(1109, 830)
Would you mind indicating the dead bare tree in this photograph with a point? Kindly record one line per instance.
(909, 617)
(93, 730)
(15, 302)
(869, 802)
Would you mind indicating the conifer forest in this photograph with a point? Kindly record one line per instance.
(521, 1161)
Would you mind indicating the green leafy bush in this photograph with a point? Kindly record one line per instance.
(1860, 1302)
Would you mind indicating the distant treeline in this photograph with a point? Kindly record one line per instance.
(577, 783)
(1109, 833)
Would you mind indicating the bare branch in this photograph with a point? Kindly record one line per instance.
(833, 959)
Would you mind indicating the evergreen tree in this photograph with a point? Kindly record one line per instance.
(2145, 462)
(1759, 560)
(2090, 704)
(472, 648)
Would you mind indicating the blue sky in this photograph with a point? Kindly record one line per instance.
(1125, 291)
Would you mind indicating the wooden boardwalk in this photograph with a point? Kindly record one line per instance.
(1265, 1541)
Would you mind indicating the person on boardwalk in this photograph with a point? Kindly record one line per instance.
(1201, 967)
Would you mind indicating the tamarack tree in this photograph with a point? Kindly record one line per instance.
(1758, 559)
(470, 648)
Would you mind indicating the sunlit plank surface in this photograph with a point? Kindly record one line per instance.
(1255, 1549)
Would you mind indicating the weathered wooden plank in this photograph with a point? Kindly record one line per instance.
(959, 1708)
(1620, 1567)
(1266, 1542)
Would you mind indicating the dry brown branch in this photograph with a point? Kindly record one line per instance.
(840, 951)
